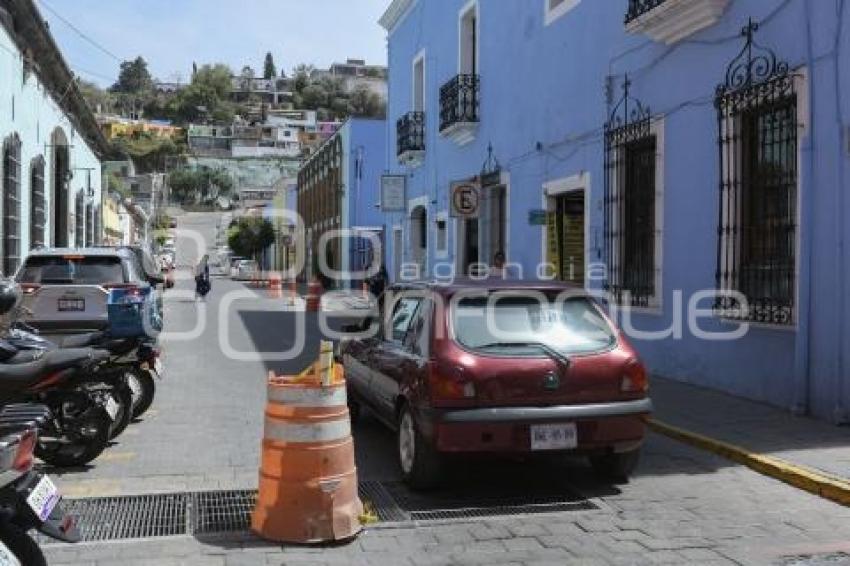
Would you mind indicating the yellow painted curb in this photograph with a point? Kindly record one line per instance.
(813, 481)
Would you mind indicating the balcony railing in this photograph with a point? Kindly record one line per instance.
(410, 130)
(637, 8)
(459, 99)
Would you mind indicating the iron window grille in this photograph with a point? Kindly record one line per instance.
(459, 101)
(38, 205)
(637, 8)
(629, 202)
(11, 205)
(410, 132)
(90, 225)
(79, 221)
(757, 124)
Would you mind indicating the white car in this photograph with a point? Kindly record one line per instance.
(247, 268)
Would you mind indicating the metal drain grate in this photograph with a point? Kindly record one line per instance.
(827, 559)
(141, 516)
(222, 512)
(215, 512)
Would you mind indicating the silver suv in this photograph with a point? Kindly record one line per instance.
(66, 290)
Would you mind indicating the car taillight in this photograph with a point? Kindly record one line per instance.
(132, 289)
(24, 456)
(634, 378)
(451, 387)
(30, 288)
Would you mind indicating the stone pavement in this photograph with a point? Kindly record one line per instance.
(755, 426)
(684, 506)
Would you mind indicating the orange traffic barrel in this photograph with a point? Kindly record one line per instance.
(314, 296)
(275, 286)
(308, 478)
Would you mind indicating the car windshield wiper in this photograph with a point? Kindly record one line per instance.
(550, 351)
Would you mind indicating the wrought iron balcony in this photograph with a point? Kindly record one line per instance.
(410, 134)
(637, 8)
(459, 102)
(669, 21)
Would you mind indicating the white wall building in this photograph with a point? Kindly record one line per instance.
(50, 165)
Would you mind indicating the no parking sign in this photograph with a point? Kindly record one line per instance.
(466, 199)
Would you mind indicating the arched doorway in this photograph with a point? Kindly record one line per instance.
(419, 238)
(59, 184)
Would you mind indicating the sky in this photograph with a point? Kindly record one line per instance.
(172, 34)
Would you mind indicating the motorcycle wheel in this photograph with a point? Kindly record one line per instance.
(21, 545)
(148, 390)
(124, 395)
(82, 439)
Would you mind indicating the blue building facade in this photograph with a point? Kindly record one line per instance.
(688, 158)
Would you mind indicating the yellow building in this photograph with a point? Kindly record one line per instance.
(112, 232)
(120, 127)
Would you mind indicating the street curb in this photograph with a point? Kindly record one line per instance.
(810, 480)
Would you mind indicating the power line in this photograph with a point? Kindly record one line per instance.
(80, 32)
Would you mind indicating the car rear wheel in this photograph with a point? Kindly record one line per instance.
(421, 465)
(615, 466)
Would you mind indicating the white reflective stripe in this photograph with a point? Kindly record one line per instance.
(318, 432)
(312, 397)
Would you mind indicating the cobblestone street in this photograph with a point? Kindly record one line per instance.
(683, 506)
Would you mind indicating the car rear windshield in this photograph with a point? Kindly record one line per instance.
(532, 325)
(59, 270)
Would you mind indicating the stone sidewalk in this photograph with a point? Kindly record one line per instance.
(757, 427)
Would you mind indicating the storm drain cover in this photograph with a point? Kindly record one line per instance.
(142, 516)
(215, 512)
(221, 512)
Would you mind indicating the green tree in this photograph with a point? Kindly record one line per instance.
(218, 77)
(269, 69)
(302, 75)
(365, 102)
(314, 97)
(99, 100)
(199, 185)
(134, 77)
(248, 236)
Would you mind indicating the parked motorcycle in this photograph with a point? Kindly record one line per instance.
(108, 377)
(28, 500)
(82, 408)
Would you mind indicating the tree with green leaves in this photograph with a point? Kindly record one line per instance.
(250, 235)
(269, 69)
(199, 185)
(134, 77)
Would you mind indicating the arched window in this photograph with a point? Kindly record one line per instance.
(37, 207)
(79, 221)
(11, 204)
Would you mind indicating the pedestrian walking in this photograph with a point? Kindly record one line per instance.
(202, 278)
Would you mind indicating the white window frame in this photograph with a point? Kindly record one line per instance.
(472, 5)
(552, 14)
(441, 253)
(419, 59)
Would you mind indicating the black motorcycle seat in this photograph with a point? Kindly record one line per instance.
(32, 368)
(82, 340)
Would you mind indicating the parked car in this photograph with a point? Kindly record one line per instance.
(247, 268)
(455, 374)
(66, 290)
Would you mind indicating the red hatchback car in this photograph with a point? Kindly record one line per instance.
(499, 367)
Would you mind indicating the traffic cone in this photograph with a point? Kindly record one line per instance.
(275, 286)
(308, 478)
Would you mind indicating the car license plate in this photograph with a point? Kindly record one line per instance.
(6, 557)
(112, 407)
(72, 305)
(43, 498)
(554, 436)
